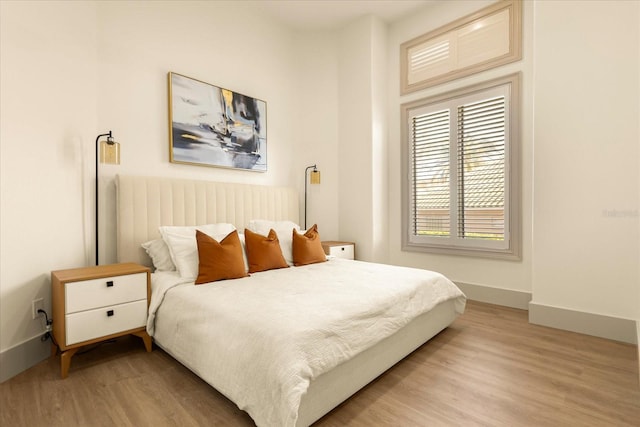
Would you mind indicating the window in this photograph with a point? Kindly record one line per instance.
(488, 38)
(461, 191)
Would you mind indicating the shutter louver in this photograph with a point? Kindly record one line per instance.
(431, 180)
(481, 167)
(430, 59)
(429, 56)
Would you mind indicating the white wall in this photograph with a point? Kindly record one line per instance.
(72, 70)
(354, 148)
(139, 42)
(363, 137)
(586, 225)
(48, 113)
(511, 275)
(316, 115)
(379, 143)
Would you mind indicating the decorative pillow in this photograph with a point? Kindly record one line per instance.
(159, 253)
(219, 261)
(183, 248)
(282, 229)
(307, 247)
(263, 252)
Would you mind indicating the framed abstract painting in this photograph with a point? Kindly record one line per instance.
(213, 126)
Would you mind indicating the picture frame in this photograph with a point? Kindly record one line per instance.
(214, 126)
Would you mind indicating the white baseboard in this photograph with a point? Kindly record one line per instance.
(488, 294)
(613, 328)
(638, 342)
(23, 356)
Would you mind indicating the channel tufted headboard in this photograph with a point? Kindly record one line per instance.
(145, 203)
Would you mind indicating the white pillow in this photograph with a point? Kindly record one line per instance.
(244, 251)
(183, 247)
(284, 230)
(159, 253)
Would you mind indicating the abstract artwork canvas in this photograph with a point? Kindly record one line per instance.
(212, 126)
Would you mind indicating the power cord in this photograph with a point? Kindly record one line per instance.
(46, 316)
(47, 334)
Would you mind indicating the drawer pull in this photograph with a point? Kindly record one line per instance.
(342, 248)
(109, 283)
(109, 313)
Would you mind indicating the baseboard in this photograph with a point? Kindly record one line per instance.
(23, 356)
(599, 325)
(499, 296)
(638, 342)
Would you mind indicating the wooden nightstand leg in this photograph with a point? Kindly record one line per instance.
(65, 361)
(145, 338)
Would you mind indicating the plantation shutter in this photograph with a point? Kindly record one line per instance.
(480, 41)
(481, 166)
(458, 166)
(461, 186)
(431, 197)
(459, 50)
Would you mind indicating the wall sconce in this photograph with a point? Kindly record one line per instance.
(108, 152)
(315, 179)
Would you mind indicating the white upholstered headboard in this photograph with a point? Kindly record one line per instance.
(145, 203)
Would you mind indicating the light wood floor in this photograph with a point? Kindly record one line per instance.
(490, 368)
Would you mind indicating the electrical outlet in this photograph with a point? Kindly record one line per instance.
(37, 304)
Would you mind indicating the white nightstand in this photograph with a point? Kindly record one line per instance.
(346, 250)
(94, 304)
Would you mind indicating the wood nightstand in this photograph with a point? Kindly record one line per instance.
(346, 250)
(94, 304)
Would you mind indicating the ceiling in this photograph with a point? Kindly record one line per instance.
(332, 14)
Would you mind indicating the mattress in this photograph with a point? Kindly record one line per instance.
(264, 339)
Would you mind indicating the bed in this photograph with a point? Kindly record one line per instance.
(281, 344)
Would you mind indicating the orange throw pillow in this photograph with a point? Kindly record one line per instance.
(219, 261)
(263, 253)
(307, 248)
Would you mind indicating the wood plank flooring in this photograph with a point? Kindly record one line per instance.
(490, 368)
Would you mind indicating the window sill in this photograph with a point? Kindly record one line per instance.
(511, 254)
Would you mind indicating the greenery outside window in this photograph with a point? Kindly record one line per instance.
(461, 185)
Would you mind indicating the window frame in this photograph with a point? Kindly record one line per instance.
(513, 36)
(511, 247)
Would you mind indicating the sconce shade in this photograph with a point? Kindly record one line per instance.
(315, 177)
(110, 152)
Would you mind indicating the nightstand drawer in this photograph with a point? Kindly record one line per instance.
(90, 294)
(105, 321)
(342, 251)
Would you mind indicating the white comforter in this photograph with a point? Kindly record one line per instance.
(261, 339)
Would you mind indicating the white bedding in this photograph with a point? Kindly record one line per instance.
(260, 340)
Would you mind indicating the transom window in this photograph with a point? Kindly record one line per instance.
(461, 192)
